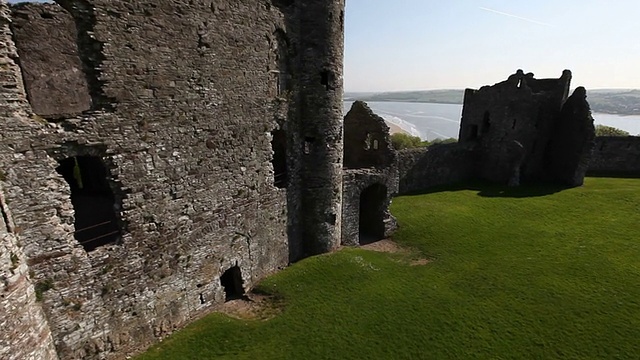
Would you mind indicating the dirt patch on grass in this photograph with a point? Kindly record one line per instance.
(386, 245)
(253, 307)
(389, 246)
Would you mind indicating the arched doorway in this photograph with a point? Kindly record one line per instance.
(231, 281)
(371, 221)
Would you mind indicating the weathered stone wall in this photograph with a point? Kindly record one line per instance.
(183, 101)
(615, 156)
(356, 198)
(317, 139)
(423, 168)
(24, 331)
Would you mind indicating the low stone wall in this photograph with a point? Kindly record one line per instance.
(420, 169)
(615, 156)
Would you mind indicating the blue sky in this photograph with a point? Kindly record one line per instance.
(436, 44)
(433, 44)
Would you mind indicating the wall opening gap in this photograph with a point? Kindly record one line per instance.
(96, 220)
(308, 144)
(231, 281)
(279, 161)
(282, 57)
(486, 122)
(472, 133)
(324, 79)
(371, 222)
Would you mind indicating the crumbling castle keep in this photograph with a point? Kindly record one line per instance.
(158, 158)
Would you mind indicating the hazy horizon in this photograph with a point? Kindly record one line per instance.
(438, 89)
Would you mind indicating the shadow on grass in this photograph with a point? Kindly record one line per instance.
(486, 189)
(523, 191)
(617, 175)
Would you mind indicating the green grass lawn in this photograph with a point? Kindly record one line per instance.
(525, 273)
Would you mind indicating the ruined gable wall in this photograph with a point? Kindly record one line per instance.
(366, 139)
(181, 111)
(615, 156)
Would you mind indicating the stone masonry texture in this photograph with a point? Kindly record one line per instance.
(177, 101)
(615, 156)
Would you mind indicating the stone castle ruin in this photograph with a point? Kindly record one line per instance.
(159, 158)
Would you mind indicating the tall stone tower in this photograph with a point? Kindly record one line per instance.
(317, 132)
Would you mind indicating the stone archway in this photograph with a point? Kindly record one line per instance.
(231, 281)
(371, 220)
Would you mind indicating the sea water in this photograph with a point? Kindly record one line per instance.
(430, 121)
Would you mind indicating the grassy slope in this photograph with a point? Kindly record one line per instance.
(550, 276)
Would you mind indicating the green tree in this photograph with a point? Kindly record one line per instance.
(405, 141)
(603, 130)
(439, 141)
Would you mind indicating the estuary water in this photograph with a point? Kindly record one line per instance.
(430, 121)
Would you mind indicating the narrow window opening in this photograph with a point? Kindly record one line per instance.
(332, 218)
(202, 300)
(519, 83)
(308, 144)
(486, 122)
(472, 132)
(95, 206)
(324, 79)
(279, 161)
(371, 222)
(375, 144)
(281, 49)
(342, 20)
(231, 281)
(283, 83)
(514, 124)
(367, 142)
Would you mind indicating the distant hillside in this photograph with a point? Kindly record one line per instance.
(608, 101)
(425, 96)
(622, 102)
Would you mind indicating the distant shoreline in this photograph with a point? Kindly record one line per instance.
(596, 106)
